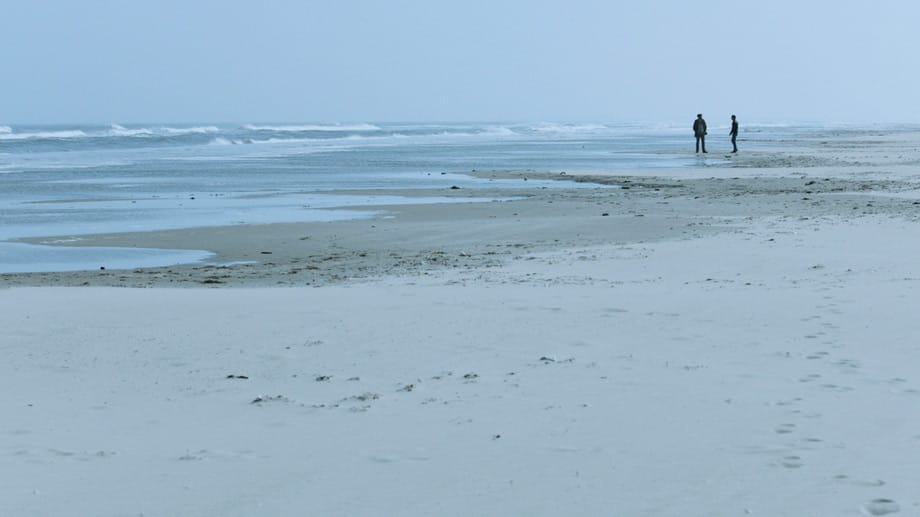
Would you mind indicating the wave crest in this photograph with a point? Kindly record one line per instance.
(73, 133)
(201, 130)
(231, 141)
(116, 130)
(313, 127)
(551, 127)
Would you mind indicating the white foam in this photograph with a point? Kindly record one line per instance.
(552, 127)
(190, 130)
(116, 130)
(5, 129)
(235, 141)
(74, 133)
(499, 131)
(293, 140)
(314, 127)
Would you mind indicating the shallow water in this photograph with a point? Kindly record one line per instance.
(75, 180)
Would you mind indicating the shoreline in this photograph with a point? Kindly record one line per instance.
(411, 239)
(840, 162)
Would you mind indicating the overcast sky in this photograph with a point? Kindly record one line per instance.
(442, 60)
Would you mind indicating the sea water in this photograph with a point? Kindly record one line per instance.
(86, 179)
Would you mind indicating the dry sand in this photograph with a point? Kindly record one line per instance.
(734, 340)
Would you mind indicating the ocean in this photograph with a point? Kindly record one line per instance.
(68, 181)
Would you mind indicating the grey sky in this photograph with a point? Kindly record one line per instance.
(488, 60)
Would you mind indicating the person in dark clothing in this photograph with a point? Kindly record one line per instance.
(734, 134)
(699, 131)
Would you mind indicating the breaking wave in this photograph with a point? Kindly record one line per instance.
(230, 141)
(550, 127)
(313, 127)
(191, 130)
(74, 133)
(117, 130)
(114, 130)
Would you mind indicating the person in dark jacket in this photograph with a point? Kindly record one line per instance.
(734, 134)
(699, 131)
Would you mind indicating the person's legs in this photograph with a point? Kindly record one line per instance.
(734, 146)
(703, 142)
(697, 144)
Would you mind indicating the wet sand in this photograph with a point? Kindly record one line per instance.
(417, 239)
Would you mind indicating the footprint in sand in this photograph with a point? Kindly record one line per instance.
(848, 363)
(898, 383)
(811, 377)
(205, 454)
(817, 355)
(80, 456)
(873, 483)
(784, 428)
(881, 507)
(791, 462)
(835, 387)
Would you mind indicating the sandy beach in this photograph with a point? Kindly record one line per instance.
(734, 339)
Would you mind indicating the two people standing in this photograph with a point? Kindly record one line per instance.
(699, 131)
